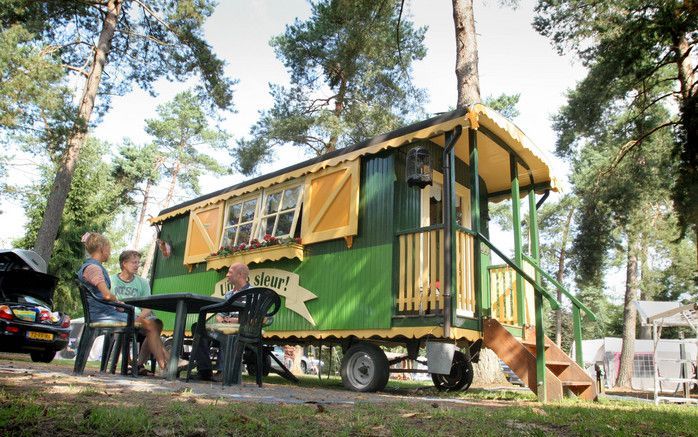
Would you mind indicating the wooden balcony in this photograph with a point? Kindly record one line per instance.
(421, 272)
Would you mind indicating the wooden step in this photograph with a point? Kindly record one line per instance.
(575, 383)
(557, 366)
(531, 344)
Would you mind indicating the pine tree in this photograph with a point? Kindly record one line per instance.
(111, 46)
(349, 65)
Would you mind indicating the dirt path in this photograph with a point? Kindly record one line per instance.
(16, 375)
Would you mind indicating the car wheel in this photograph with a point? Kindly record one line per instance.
(304, 367)
(365, 368)
(461, 375)
(42, 356)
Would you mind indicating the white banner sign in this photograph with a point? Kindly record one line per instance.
(286, 284)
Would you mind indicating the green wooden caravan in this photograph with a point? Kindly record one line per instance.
(386, 243)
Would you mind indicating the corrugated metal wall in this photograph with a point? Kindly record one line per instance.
(353, 286)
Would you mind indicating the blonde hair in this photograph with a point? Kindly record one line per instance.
(94, 242)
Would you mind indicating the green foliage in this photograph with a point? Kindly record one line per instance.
(505, 104)
(135, 164)
(350, 79)
(95, 199)
(637, 53)
(36, 110)
(154, 39)
(179, 133)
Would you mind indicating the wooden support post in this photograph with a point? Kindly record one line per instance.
(577, 327)
(482, 300)
(516, 219)
(540, 333)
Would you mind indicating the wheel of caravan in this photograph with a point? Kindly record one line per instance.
(365, 368)
(461, 375)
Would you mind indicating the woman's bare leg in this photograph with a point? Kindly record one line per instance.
(154, 342)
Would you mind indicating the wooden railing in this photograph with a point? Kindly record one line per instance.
(503, 295)
(421, 272)
(421, 268)
(465, 274)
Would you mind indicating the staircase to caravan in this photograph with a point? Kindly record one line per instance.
(562, 374)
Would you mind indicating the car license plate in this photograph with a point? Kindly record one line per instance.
(28, 315)
(40, 335)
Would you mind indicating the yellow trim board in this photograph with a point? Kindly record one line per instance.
(435, 332)
(486, 117)
(272, 253)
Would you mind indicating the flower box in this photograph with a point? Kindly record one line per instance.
(256, 255)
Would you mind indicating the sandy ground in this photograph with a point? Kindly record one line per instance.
(57, 378)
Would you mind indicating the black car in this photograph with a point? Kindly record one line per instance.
(28, 323)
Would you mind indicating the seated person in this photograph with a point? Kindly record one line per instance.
(238, 276)
(127, 284)
(94, 276)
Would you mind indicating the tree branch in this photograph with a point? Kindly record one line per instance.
(148, 37)
(76, 69)
(627, 147)
(154, 15)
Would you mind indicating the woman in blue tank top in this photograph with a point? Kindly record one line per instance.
(95, 277)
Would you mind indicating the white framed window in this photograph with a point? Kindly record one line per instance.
(240, 220)
(274, 211)
(280, 211)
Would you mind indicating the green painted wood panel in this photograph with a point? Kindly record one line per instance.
(174, 231)
(354, 286)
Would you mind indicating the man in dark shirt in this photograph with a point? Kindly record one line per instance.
(238, 276)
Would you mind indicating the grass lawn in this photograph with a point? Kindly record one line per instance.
(28, 409)
(33, 412)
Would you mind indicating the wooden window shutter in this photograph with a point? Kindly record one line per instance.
(203, 233)
(331, 203)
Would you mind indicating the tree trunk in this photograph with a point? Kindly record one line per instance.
(487, 370)
(338, 109)
(688, 169)
(141, 216)
(468, 79)
(144, 206)
(627, 355)
(48, 231)
(168, 198)
(560, 275)
(686, 74)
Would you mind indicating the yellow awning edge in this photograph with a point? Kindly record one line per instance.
(487, 117)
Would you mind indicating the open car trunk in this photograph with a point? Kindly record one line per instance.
(17, 283)
(23, 273)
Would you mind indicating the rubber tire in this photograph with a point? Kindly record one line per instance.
(304, 367)
(251, 364)
(43, 356)
(366, 354)
(461, 375)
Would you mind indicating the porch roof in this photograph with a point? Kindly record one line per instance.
(495, 135)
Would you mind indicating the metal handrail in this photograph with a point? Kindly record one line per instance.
(560, 287)
(554, 304)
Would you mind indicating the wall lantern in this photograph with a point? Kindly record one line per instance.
(419, 167)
